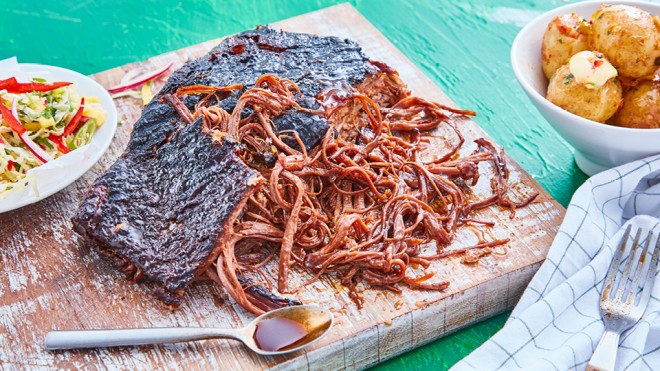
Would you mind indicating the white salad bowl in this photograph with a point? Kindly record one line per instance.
(597, 146)
(56, 175)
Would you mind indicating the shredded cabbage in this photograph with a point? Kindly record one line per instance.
(43, 115)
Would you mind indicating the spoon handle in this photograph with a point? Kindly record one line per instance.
(76, 339)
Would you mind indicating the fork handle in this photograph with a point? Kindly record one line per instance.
(604, 358)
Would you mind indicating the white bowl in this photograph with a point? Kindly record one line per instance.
(54, 176)
(597, 146)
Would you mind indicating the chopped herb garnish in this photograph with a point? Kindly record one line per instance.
(561, 41)
(616, 79)
(18, 166)
(601, 15)
(44, 142)
(38, 79)
(568, 78)
(49, 112)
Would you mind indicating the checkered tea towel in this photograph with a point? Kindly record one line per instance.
(556, 324)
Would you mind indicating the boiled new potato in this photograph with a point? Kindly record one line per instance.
(641, 107)
(588, 92)
(629, 37)
(566, 35)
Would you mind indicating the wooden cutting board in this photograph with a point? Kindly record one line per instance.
(52, 280)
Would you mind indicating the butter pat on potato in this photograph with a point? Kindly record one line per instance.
(585, 100)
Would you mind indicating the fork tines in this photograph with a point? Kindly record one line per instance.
(624, 284)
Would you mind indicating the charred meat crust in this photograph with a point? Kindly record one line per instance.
(264, 299)
(163, 211)
(169, 212)
(310, 61)
(313, 63)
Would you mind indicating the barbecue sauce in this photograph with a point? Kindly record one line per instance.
(278, 333)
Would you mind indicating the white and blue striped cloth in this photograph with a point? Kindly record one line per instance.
(556, 324)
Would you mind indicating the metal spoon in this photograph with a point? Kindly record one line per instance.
(316, 321)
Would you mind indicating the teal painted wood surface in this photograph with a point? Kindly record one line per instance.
(461, 45)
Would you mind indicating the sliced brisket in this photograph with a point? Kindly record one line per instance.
(166, 207)
(313, 63)
(167, 212)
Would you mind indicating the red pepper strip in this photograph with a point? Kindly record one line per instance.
(10, 165)
(28, 87)
(12, 121)
(73, 124)
(8, 82)
(16, 126)
(58, 143)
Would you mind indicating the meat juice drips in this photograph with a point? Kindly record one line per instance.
(278, 333)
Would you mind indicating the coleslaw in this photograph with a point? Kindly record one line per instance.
(40, 122)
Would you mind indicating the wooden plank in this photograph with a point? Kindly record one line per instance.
(52, 280)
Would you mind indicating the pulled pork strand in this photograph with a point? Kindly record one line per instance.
(361, 204)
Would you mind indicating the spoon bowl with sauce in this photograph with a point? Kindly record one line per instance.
(281, 331)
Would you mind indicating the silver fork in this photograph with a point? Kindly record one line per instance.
(622, 304)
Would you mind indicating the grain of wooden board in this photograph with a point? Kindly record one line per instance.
(53, 280)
